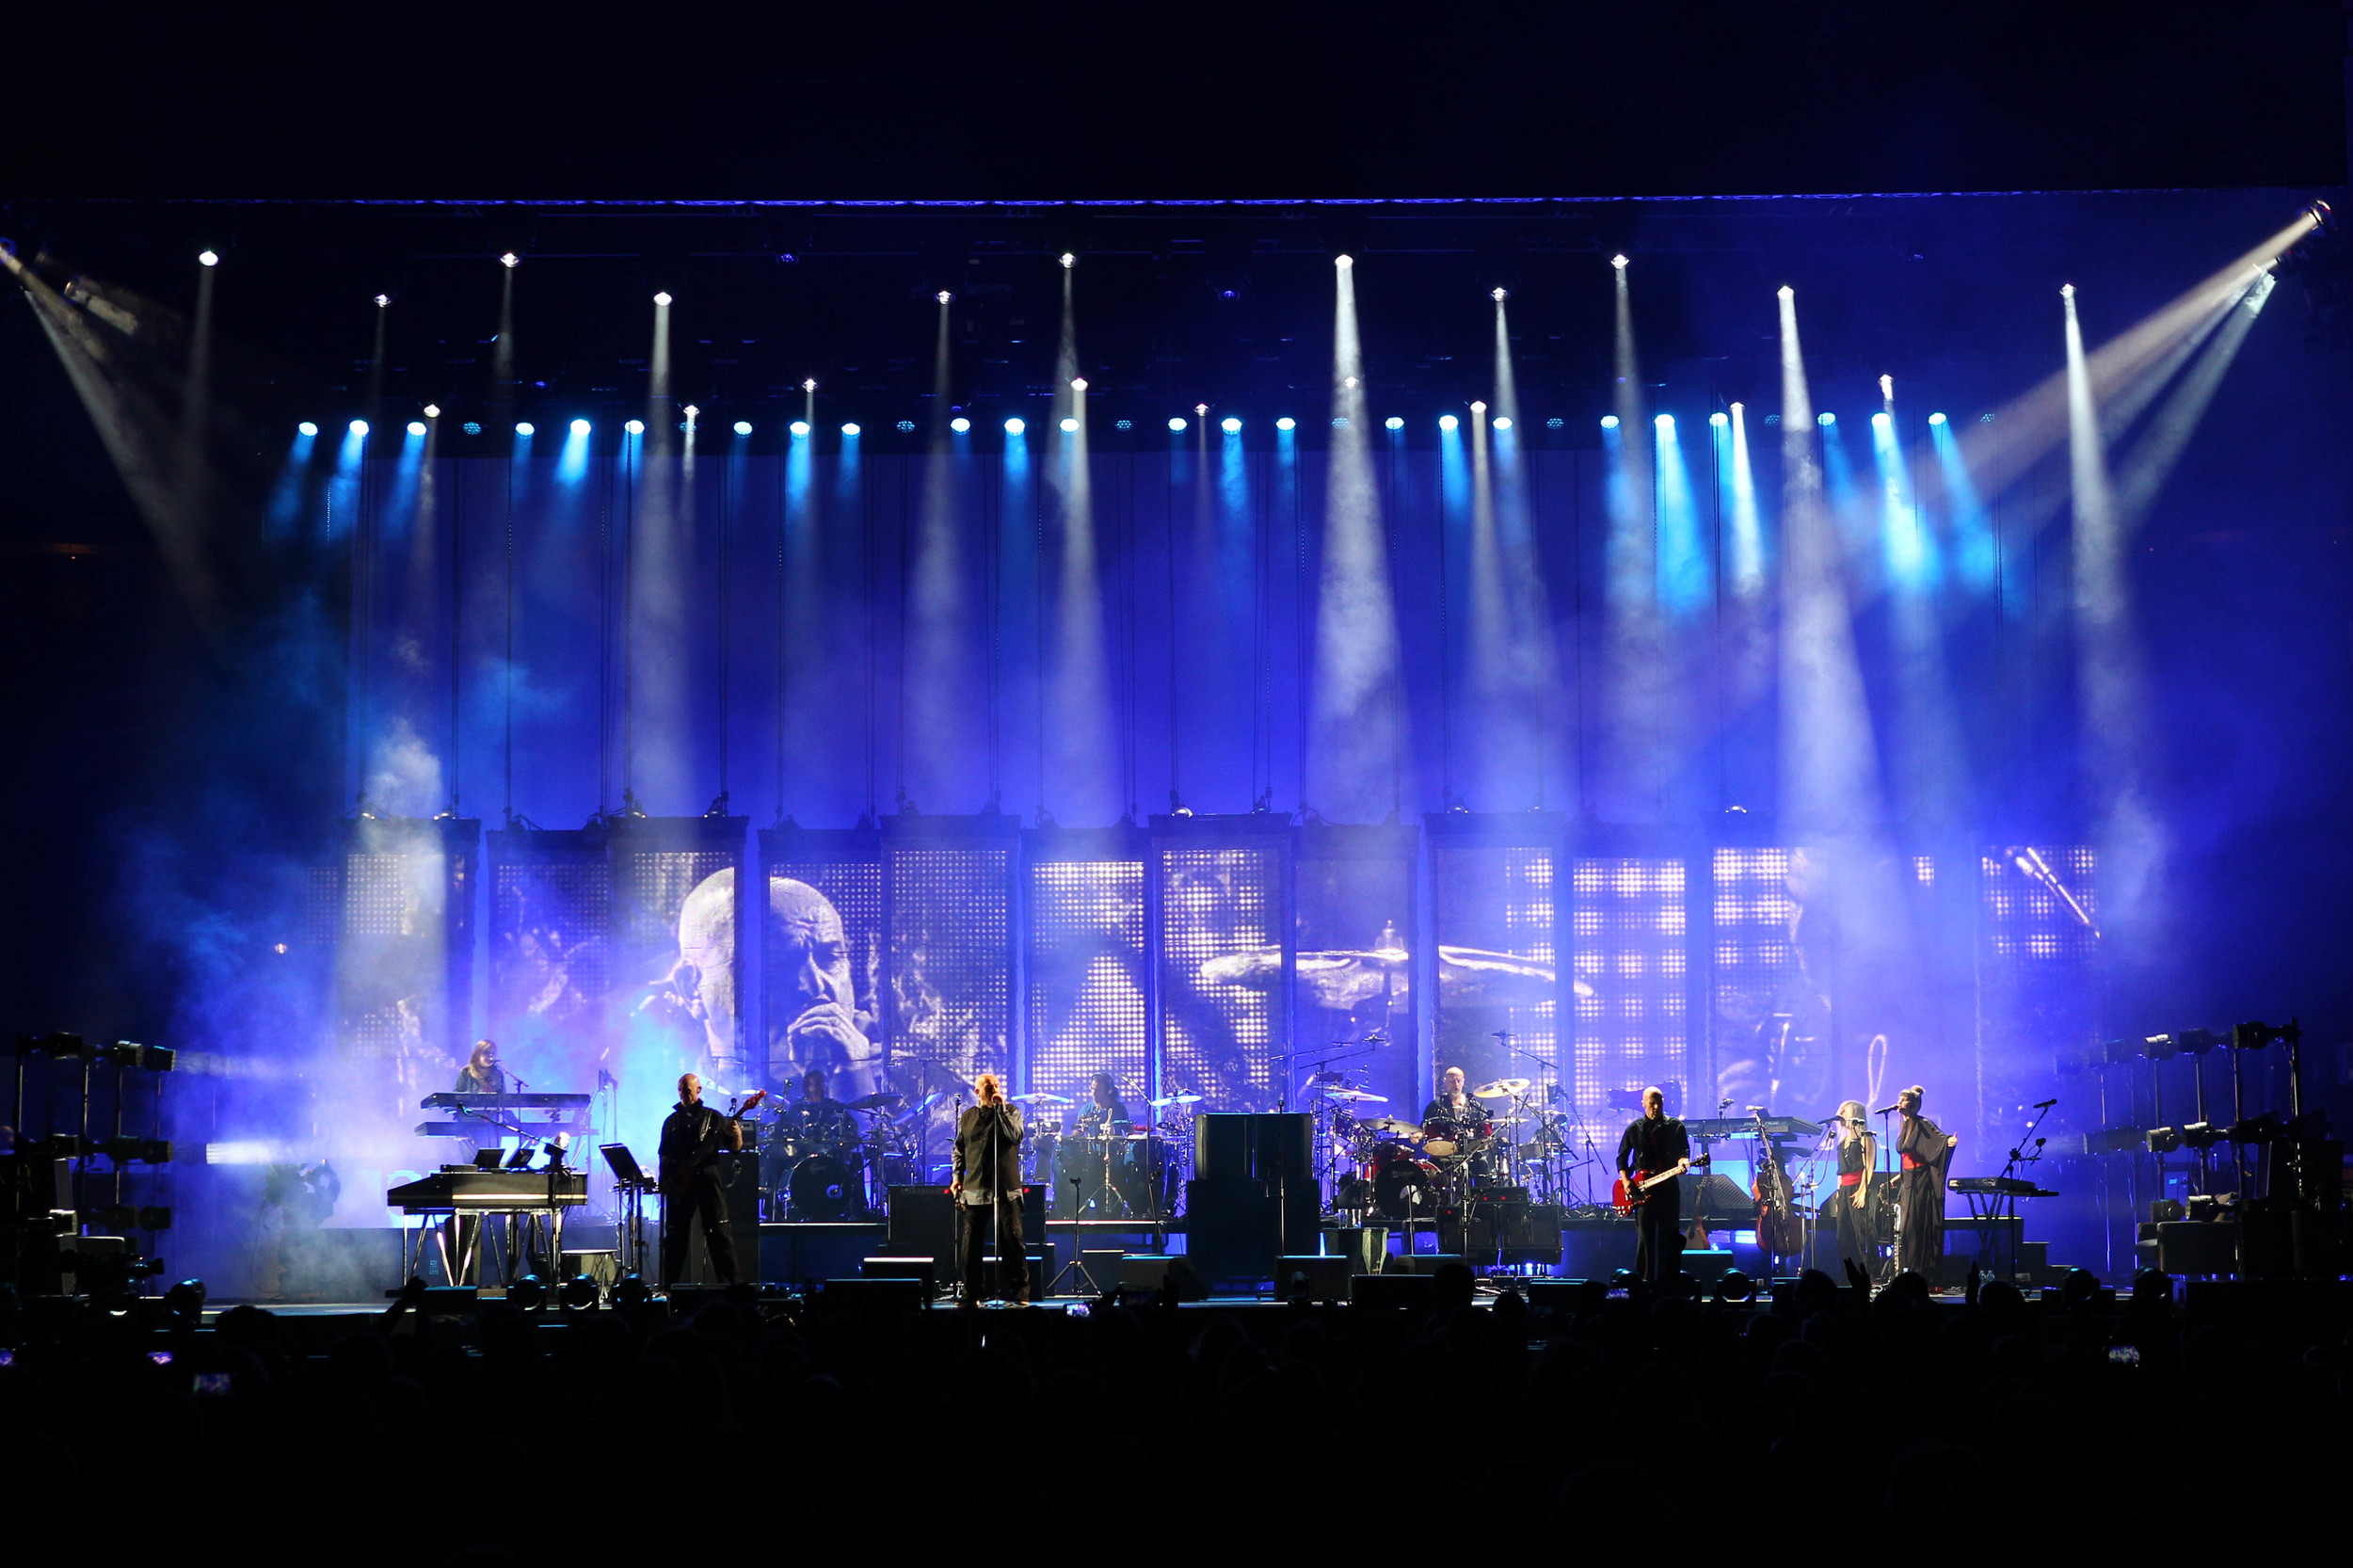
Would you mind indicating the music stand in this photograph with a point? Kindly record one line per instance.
(629, 1184)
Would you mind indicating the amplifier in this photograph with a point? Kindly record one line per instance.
(1229, 1146)
(1316, 1277)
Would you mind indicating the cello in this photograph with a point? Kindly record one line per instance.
(1779, 1229)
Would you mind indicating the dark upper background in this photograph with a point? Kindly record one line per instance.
(138, 135)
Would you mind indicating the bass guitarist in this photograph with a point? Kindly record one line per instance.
(1655, 1145)
(692, 1137)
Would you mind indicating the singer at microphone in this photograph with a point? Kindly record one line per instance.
(1926, 1150)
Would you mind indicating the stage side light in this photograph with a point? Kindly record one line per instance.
(1231, 425)
(1015, 427)
(1287, 423)
(799, 427)
(635, 427)
(850, 429)
(1343, 262)
(580, 428)
(1826, 417)
(1393, 423)
(523, 428)
(1719, 420)
(661, 298)
(1503, 421)
(509, 259)
(960, 424)
(306, 427)
(207, 258)
(359, 426)
(1448, 422)
(1175, 422)
(743, 427)
(432, 410)
(1608, 422)
(1936, 418)
(416, 427)
(1618, 262)
(1068, 425)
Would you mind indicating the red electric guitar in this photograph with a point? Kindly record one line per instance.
(1625, 1200)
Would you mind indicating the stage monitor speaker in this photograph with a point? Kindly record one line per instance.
(876, 1295)
(1423, 1263)
(1317, 1277)
(902, 1268)
(922, 1223)
(2197, 1246)
(1235, 1228)
(1706, 1265)
(1101, 1267)
(1142, 1273)
(1259, 1147)
(1414, 1292)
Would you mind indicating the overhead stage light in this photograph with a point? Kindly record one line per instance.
(849, 429)
(1078, 383)
(661, 298)
(382, 300)
(1936, 418)
(580, 428)
(943, 297)
(1448, 422)
(809, 385)
(1478, 406)
(1618, 262)
(1231, 425)
(635, 427)
(692, 413)
(2067, 291)
(306, 428)
(1608, 422)
(509, 259)
(1499, 297)
(1503, 421)
(416, 427)
(1393, 423)
(1343, 260)
(1175, 422)
(960, 424)
(1287, 423)
(1887, 386)
(207, 258)
(523, 428)
(1068, 425)
(1786, 292)
(1015, 427)
(1719, 420)
(432, 410)
(743, 427)
(1666, 423)
(1826, 417)
(798, 427)
(359, 426)
(1069, 259)
(1881, 422)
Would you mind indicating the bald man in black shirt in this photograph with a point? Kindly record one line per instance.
(1656, 1142)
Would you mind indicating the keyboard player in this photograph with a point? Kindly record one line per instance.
(482, 1074)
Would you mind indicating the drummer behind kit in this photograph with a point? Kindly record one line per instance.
(831, 1161)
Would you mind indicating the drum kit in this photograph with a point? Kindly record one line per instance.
(840, 1163)
(1388, 1170)
(1119, 1168)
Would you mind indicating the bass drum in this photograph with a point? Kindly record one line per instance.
(1145, 1175)
(1406, 1186)
(823, 1188)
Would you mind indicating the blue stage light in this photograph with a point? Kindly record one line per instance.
(1503, 421)
(1068, 425)
(960, 424)
(849, 429)
(743, 427)
(906, 426)
(1825, 417)
(1936, 418)
(1175, 422)
(1287, 423)
(1231, 425)
(1718, 420)
(1880, 421)
(359, 426)
(522, 428)
(1394, 422)
(580, 428)
(416, 427)
(1123, 424)
(1448, 422)
(474, 428)
(308, 428)
(1666, 423)
(1608, 422)
(799, 427)
(1554, 423)
(1015, 427)
(635, 427)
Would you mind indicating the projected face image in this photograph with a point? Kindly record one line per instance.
(822, 1024)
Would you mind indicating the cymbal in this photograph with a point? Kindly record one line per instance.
(1354, 1095)
(874, 1102)
(1501, 1089)
(1398, 1125)
(1167, 1100)
(1041, 1098)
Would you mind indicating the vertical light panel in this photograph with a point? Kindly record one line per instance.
(1493, 920)
(1086, 985)
(950, 961)
(1222, 972)
(1771, 1027)
(1352, 958)
(1630, 962)
(403, 953)
(2038, 968)
(674, 935)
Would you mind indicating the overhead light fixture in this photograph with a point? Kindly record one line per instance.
(432, 410)
(1786, 292)
(1287, 423)
(849, 429)
(1618, 262)
(1719, 420)
(1448, 422)
(1343, 262)
(1069, 259)
(1231, 425)
(524, 427)
(509, 259)
(207, 258)
(1175, 422)
(580, 428)
(661, 298)
(960, 424)
(382, 300)
(416, 427)
(1393, 423)
(635, 427)
(799, 427)
(1608, 422)
(692, 413)
(943, 297)
(306, 428)
(1015, 427)
(1068, 425)
(1498, 296)
(1826, 418)
(1503, 421)
(1078, 383)
(809, 385)
(743, 427)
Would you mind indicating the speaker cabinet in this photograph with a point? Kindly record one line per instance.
(1316, 1277)
(1233, 1148)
